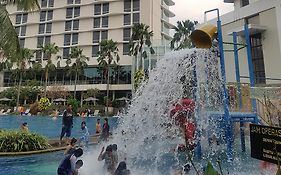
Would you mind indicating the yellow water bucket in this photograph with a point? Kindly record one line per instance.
(203, 37)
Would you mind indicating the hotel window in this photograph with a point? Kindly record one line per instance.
(244, 3)
(105, 8)
(126, 34)
(22, 41)
(136, 5)
(73, 1)
(96, 37)
(127, 19)
(257, 58)
(97, 9)
(104, 35)
(21, 18)
(95, 50)
(65, 52)
(136, 18)
(72, 12)
(127, 5)
(97, 22)
(71, 25)
(47, 3)
(43, 40)
(21, 30)
(126, 49)
(105, 21)
(45, 28)
(70, 39)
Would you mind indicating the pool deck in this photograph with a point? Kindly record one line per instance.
(55, 146)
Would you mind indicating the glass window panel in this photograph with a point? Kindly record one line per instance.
(97, 9)
(40, 41)
(23, 30)
(49, 28)
(96, 22)
(136, 5)
(76, 11)
(69, 12)
(136, 18)
(44, 3)
(67, 39)
(47, 40)
(244, 3)
(127, 5)
(51, 3)
(69, 1)
(76, 25)
(65, 53)
(38, 54)
(50, 15)
(105, 8)
(126, 49)
(74, 38)
(22, 41)
(104, 35)
(42, 15)
(77, 1)
(96, 37)
(105, 21)
(127, 19)
(68, 25)
(41, 28)
(126, 34)
(18, 18)
(95, 50)
(17, 30)
(24, 18)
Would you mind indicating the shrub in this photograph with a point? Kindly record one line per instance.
(74, 103)
(17, 141)
(44, 103)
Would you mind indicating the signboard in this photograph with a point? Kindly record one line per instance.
(265, 143)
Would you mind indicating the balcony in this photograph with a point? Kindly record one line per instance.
(167, 12)
(169, 2)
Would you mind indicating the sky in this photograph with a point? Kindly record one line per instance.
(194, 9)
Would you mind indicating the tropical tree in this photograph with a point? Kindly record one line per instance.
(9, 42)
(92, 93)
(22, 61)
(107, 56)
(181, 38)
(141, 37)
(49, 50)
(78, 66)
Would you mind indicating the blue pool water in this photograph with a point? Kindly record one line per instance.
(49, 127)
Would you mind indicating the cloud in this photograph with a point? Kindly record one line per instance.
(194, 9)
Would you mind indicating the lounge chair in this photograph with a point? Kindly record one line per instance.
(7, 112)
(96, 113)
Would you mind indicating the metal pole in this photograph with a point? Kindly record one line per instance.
(237, 71)
(251, 67)
(228, 128)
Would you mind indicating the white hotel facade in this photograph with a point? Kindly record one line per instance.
(83, 24)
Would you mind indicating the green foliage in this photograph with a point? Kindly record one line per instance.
(74, 103)
(138, 78)
(92, 93)
(17, 141)
(109, 101)
(44, 104)
(181, 38)
(34, 108)
(210, 170)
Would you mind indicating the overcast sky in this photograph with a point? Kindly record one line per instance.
(194, 9)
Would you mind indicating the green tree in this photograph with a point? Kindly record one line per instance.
(49, 50)
(181, 38)
(9, 42)
(22, 61)
(92, 93)
(78, 66)
(107, 56)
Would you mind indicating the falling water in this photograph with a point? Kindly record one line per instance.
(146, 132)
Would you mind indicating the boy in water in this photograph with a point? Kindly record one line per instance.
(85, 134)
(68, 165)
(108, 159)
(98, 127)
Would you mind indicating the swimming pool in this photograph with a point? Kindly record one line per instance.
(51, 128)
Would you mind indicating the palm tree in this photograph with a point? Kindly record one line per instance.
(141, 37)
(9, 42)
(107, 56)
(181, 38)
(22, 61)
(49, 50)
(78, 66)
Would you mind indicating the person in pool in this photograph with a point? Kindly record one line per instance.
(108, 159)
(71, 147)
(67, 124)
(68, 165)
(85, 134)
(24, 127)
(122, 169)
(98, 127)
